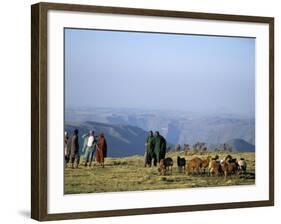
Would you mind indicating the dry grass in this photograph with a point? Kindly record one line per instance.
(129, 174)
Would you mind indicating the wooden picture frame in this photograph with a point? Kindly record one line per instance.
(39, 110)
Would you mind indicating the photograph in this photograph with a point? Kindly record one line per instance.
(157, 111)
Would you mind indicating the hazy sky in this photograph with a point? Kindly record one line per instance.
(159, 71)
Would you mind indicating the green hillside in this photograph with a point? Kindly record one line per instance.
(129, 174)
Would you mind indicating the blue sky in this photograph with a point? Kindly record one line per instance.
(159, 71)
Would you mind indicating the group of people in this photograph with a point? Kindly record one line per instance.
(155, 149)
(91, 145)
(95, 147)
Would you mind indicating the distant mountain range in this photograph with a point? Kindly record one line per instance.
(177, 126)
(240, 145)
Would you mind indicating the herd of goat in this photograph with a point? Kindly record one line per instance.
(210, 166)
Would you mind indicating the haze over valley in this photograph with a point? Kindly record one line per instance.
(126, 129)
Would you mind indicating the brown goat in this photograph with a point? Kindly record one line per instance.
(229, 166)
(194, 164)
(214, 168)
(205, 163)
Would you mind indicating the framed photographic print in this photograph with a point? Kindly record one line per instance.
(142, 111)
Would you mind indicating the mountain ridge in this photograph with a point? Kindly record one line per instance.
(128, 140)
(240, 145)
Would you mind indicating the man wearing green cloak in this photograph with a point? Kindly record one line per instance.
(149, 154)
(85, 141)
(160, 146)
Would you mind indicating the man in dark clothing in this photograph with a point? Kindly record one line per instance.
(149, 152)
(74, 149)
(160, 146)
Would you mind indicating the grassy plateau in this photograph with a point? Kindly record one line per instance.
(129, 174)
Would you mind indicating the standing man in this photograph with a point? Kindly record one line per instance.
(74, 149)
(85, 142)
(90, 148)
(160, 146)
(149, 153)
